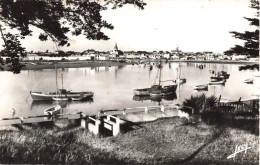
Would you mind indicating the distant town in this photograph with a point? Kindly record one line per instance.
(116, 53)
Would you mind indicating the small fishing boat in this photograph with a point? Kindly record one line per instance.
(201, 87)
(217, 82)
(157, 90)
(60, 93)
(52, 110)
(142, 92)
(249, 81)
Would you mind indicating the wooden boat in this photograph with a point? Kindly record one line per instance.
(142, 92)
(249, 81)
(201, 87)
(157, 90)
(60, 93)
(223, 74)
(52, 110)
(217, 82)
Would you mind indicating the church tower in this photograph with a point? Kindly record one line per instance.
(116, 48)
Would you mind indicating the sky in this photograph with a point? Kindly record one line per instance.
(192, 25)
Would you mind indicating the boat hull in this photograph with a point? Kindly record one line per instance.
(217, 82)
(215, 79)
(164, 91)
(50, 96)
(201, 87)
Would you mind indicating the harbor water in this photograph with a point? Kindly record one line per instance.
(113, 86)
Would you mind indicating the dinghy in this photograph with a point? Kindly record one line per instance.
(52, 110)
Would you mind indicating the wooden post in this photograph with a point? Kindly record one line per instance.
(162, 108)
(146, 110)
(219, 100)
(124, 111)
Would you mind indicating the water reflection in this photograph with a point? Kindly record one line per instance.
(113, 86)
(64, 104)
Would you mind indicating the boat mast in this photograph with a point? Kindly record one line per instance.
(61, 81)
(160, 72)
(56, 80)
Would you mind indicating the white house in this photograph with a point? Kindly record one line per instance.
(167, 55)
(102, 57)
(143, 56)
(239, 57)
(152, 56)
(175, 57)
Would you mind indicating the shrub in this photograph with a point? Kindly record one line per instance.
(200, 103)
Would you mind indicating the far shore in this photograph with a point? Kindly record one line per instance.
(39, 65)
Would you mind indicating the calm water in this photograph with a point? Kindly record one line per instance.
(113, 86)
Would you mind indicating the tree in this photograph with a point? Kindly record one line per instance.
(251, 38)
(56, 19)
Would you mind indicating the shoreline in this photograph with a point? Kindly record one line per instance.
(72, 64)
(39, 65)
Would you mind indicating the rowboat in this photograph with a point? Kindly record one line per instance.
(249, 81)
(52, 110)
(201, 87)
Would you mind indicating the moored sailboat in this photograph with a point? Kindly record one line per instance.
(60, 94)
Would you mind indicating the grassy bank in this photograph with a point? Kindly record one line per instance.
(164, 141)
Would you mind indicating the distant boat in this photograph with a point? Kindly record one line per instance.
(52, 110)
(201, 87)
(249, 81)
(217, 82)
(220, 76)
